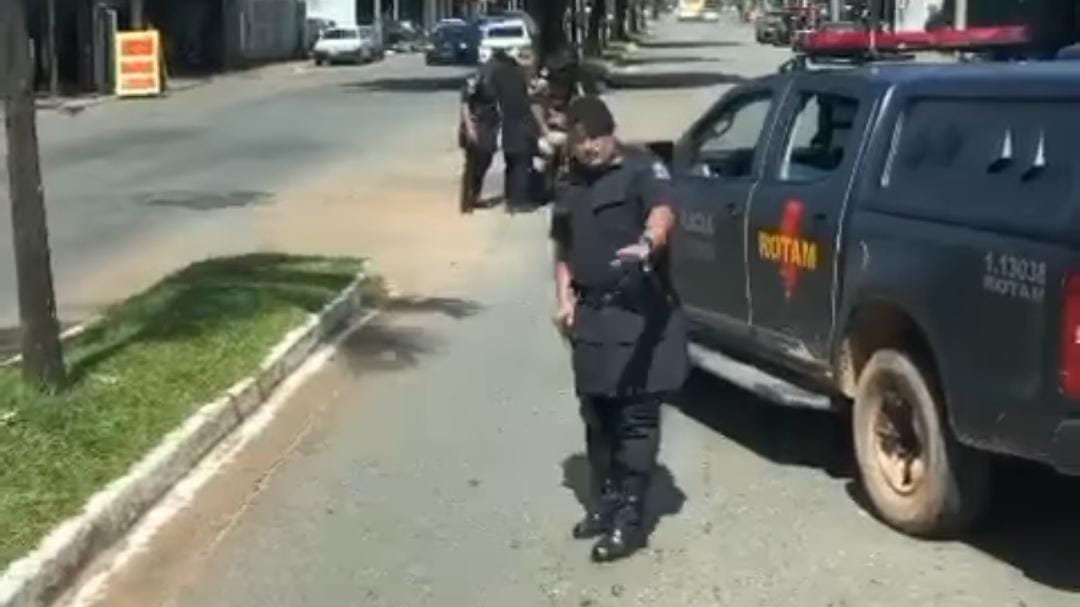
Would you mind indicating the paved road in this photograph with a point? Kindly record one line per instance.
(125, 177)
(436, 460)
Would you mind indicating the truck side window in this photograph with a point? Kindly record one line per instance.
(820, 136)
(728, 145)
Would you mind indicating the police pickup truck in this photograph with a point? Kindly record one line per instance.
(901, 241)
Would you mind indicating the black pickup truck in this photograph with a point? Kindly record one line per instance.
(901, 242)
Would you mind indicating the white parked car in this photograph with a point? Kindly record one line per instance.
(351, 44)
(511, 35)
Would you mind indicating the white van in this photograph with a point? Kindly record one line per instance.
(514, 36)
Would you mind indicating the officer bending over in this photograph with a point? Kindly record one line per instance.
(615, 303)
(478, 134)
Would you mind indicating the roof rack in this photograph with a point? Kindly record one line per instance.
(833, 48)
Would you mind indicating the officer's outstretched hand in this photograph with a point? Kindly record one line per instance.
(634, 253)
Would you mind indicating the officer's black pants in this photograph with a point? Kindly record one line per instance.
(622, 437)
(518, 167)
(478, 160)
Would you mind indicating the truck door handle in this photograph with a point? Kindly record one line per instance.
(733, 209)
(820, 217)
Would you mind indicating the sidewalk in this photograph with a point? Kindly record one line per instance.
(80, 103)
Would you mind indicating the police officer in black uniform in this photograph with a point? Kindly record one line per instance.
(478, 134)
(611, 228)
(520, 130)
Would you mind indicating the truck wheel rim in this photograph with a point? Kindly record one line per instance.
(897, 442)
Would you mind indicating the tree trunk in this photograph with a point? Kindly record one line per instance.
(138, 14)
(551, 17)
(637, 16)
(593, 42)
(43, 361)
(50, 37)
(619, 32)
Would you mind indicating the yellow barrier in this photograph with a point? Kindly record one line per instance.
(138, 64)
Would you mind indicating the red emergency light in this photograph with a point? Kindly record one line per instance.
(851, 43)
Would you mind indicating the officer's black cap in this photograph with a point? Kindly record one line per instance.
(592, 115)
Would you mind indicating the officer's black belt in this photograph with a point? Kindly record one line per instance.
(595, 297)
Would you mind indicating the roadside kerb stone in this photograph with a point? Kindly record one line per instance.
(65, 336)
(37, 578)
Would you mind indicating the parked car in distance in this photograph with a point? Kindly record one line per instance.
(453, 42)
(511, 35)
(772, 28)
(403, 36)
(347, 44)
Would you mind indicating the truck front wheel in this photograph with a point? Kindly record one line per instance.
(920, 479)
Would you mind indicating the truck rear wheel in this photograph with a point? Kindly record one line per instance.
(920, 479)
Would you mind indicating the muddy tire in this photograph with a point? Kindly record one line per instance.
(921, 480)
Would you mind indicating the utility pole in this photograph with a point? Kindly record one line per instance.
(397, 10)
(961, 19)
(43, 359)
(138, 14)
(834, 10)
(50, 43)
(376, 10)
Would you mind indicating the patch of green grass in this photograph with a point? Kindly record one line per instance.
(137, 374)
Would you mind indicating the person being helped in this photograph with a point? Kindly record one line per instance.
(478, 135)
(611, 227)
(561, 80)
(520, 128)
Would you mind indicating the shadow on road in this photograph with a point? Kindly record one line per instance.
(409, 85)
(664, 499)
(205, 201)
(388, 344)
(1034, 519)
(671, 80)
(791, 437)
(1034, 524)
(451, 307)
(384, 347)
(690, 44)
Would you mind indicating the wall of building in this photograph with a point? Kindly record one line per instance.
(258, 31)
(343, 12)
(911, 15)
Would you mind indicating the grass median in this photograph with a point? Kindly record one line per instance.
(138, 373)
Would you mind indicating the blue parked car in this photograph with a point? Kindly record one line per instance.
(453, 42)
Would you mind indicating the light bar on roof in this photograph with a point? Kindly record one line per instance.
(849, 43)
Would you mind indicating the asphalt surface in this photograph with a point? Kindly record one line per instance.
(190, 173)
(437, 459)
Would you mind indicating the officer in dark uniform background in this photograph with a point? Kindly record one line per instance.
(520, 129)
(478, 134)
(615, 303)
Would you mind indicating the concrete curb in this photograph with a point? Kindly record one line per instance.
(39, 577)
(65, 336)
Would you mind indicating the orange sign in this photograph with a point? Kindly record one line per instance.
(138, 65)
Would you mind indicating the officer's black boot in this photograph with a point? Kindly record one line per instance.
(601, 511)
(627, 534)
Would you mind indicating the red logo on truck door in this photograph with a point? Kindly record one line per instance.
(787, 248)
